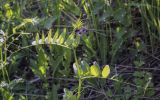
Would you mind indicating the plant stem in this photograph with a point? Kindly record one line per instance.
(79, 76)
(76, 62)
(79, 88)
(5, 60)
(2, 65)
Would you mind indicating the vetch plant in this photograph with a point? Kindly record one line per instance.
(124, 33)
(84, 71)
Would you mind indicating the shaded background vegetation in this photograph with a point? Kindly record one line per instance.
(124, 34)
